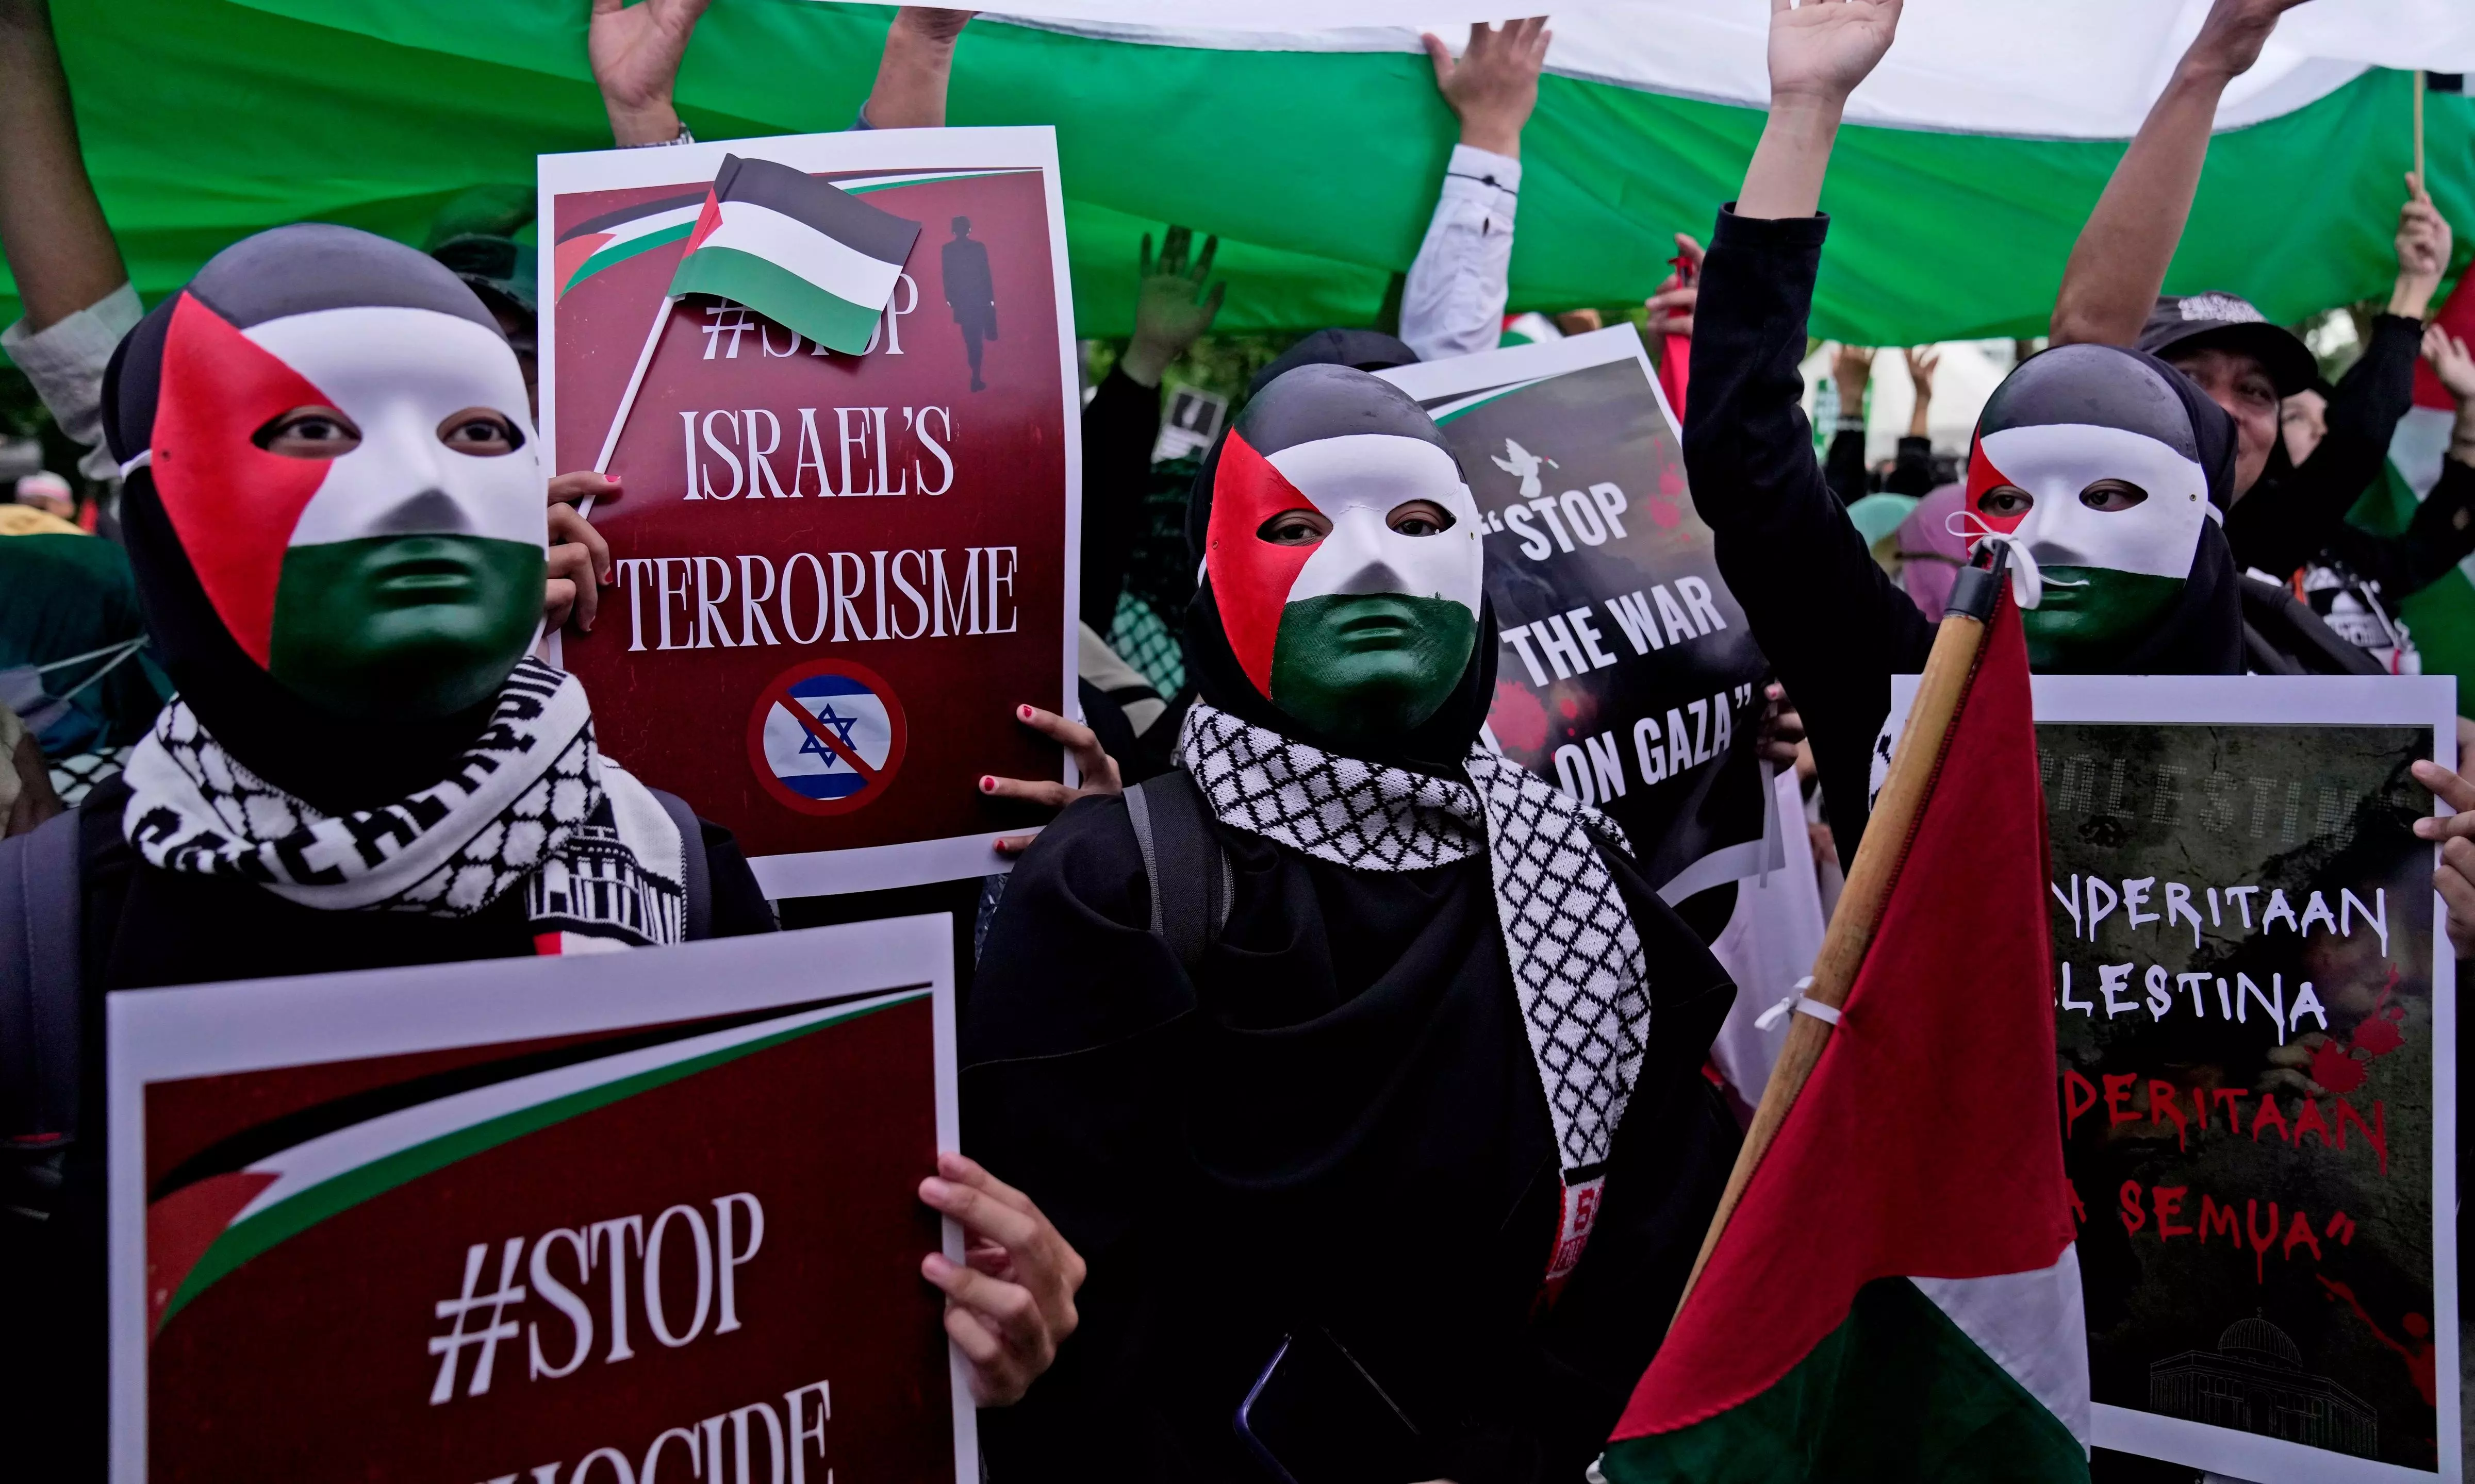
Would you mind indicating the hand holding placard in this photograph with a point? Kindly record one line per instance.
(1012, 1302)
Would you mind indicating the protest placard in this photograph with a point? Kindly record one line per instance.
(590, 1220)
(838, 574)
(2255, 1017)
(1628, 675)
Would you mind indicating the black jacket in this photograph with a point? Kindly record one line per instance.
(2297, 509)
(145, 928)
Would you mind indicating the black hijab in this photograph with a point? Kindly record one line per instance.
(332, 762)
(1439, 743)
(2111, 386)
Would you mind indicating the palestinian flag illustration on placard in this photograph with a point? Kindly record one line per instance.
(243, 1196)
(806, 254)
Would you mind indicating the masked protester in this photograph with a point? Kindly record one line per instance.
(334, 516)
(1446, 1033)
(2105, 469)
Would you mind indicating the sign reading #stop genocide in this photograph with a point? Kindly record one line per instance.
(540, 1219)
(837, 575)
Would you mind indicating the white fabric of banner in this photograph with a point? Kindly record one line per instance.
(2011, 67)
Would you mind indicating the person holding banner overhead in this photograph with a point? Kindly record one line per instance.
(1345, 994)
(2106, 470)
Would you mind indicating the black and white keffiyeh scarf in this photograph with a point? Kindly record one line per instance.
(1577, 962)
(531, 804)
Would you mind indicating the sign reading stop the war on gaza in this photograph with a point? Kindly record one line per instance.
(541, 1220)
(2255, 1017)
(1628, 675)
(838, 574)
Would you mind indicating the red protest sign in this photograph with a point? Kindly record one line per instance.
(906, 512)
(541, 1218)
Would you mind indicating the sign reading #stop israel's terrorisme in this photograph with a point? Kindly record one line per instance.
(554, 1219)
(845, 542)
(1628, 676)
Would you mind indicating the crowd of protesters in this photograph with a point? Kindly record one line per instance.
(1176, 1144)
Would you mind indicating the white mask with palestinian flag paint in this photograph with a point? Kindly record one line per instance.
(1343, 554)
(354, 486)
(2085, 458)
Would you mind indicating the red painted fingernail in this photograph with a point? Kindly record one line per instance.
(1026, 713)
(987, 784)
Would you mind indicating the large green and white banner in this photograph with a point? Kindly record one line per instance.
(1310, 139)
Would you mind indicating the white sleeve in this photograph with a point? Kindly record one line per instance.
(65, 361)
(1453, 303)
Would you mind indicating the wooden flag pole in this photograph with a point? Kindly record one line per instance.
(1914, 763)
(2423, 184)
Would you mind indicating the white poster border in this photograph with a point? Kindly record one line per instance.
(253, 1025)
(1509, 369)
(1015, 147)
(2298, 700)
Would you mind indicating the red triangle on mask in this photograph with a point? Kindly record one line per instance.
(1251, 577)
(233, 504)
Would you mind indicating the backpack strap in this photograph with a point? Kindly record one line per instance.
(1191, 882)
(41, 977)
(698, 871)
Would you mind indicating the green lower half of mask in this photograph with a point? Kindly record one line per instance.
(1369, 665)
(403, 625)
(2089, 617)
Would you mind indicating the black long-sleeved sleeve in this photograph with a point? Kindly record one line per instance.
(1843, 467)
(2440, 536)
(1834, 625)
(2284, 520)
(1912, 468)
(1120, 424)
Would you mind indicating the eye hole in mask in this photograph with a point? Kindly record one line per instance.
(325, 433)
(2006, 502)
(1305, 528)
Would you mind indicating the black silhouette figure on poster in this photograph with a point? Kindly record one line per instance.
(971, 293)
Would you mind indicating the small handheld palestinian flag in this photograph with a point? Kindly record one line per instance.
(803, 254)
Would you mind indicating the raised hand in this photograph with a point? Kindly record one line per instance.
(1171, 310)
(1922, 361)
(918, 61)
(635, 51)
(2423, 244)
(1671, 309)
(2230, 40)
(1821, 50)
(1494, 87)
(2451, 362)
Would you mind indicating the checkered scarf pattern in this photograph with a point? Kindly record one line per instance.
(1576, 962)
(532, 803)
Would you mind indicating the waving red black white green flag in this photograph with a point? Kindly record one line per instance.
(803, 253)
(1898, 1294)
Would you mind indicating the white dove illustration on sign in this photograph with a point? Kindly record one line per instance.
(1526, 464)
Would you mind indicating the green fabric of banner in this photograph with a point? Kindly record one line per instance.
(205, 120)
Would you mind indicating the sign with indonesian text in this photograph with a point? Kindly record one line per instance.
(2255, 1021)
(601, 1220)
(837, 575)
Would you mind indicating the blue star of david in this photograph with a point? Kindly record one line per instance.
(842, 725)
